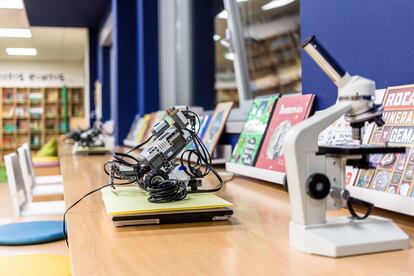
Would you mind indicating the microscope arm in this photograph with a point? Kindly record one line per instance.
(301, 146)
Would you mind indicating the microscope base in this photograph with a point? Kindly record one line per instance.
(341, 236)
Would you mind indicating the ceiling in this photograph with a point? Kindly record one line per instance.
(52, 43)
(66, 13)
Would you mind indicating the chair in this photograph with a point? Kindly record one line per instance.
(39, 180)
(21, 203)
(35, 265)
(32, 189)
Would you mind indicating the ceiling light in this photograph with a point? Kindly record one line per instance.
(11, 4)
(229, 56)
(21, 51)
(223, 15)
(9, 32)
(276, 4)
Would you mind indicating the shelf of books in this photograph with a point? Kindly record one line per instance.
(36, 115)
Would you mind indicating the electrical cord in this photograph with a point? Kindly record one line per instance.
(368, 205)
(76, 203)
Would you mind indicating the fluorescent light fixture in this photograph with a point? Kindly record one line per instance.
(229, 56)
(223, 15)
(9, 32)
(21, 51)
(11, 4)
(216, 37)
(276, 4)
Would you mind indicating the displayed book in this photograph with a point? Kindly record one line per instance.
(142, 128)
(394, 173)
(216, 126)
(205, 121)
(247, 148)
(152, 121)
(289, 111)
(132, 130)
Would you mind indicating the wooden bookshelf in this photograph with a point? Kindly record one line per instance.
(36, 115)
(274, 63)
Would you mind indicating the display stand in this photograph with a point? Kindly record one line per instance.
(257, 173)
(384, 200)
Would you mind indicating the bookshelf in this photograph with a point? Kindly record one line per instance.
(36, 115)
(274, 63)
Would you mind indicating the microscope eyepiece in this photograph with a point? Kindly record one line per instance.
(322, 57)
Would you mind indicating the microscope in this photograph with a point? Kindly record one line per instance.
(316, 175)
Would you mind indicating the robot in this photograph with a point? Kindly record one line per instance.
(89, 141)
(316, 175)
(155, 168)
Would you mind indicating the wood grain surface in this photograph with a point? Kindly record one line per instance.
(253, 242)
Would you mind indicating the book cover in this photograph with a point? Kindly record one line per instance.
(205, 121)
(288, 112)
(216, 126)
(250, 140)
(131, 133)
(393, 173)
(142, 128)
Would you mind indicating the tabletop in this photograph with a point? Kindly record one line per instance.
(253, 241)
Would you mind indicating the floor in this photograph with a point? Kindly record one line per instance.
(7, 216)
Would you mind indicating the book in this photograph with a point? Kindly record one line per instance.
(132, 130)
(133, 200)
(289, 111)
(250, 140)
(142, 128)
(205, 121)
(216, 126)
(393, 173)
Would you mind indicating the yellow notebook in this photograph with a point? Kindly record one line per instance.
(132, 200)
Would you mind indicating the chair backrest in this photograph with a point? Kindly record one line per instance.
(28, 154)
(16, 183)
(24, 166)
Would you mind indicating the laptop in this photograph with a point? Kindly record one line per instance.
(206, 215)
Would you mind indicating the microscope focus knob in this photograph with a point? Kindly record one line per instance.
(318, 186)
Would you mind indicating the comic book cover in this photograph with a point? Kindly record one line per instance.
(216, 126)
(393, 173)
(288, 112)
(250, 139)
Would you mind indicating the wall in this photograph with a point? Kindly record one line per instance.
(372, 38)
(41, 74)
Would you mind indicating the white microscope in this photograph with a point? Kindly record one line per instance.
(316, 175)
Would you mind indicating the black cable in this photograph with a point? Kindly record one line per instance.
(368, 205)
(73, 205)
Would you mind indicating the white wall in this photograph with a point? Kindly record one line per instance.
(41, 74)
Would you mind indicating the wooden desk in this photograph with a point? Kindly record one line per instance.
(254, 242)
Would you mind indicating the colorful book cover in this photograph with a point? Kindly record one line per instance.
(394, 173)
(250, 140)
(216, 126)
(131, 133)
(204, 125)
(289, 111)
(142, 128)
